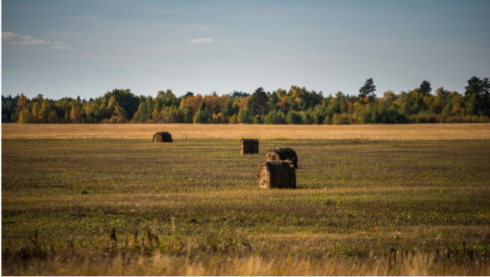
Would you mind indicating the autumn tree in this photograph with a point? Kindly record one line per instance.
(22, 103)
(25, 116)
(119, 116)
(295, 106)
(213, 103)
(76, 112)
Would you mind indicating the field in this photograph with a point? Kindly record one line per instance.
(371, 200)
(234, 131)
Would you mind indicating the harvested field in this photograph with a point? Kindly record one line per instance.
(361, 206)
(238, 131)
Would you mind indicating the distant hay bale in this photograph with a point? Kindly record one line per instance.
(282, 154)
(277, 174)
(162, 137)
(249, 146)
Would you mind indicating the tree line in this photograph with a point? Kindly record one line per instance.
(294, 106)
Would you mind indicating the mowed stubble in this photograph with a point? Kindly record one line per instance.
(237, 131)
(196, 201)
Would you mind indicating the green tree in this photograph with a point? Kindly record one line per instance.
(306, 116)
(145, 108)
(233, 119)
(275, 117)
(229, 109)
(9, 104)
(368, 90)
(477, 96)
(244, 117)
(126, 100)
(171, 115)
(293, 117)
(185, 114)
(201, 116)
(318, 115)
(165, 99)
(258, 103)
(53, 117)
(425, 88)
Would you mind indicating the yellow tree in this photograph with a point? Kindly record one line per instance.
(45, 110)
(120, 115)
(281, 93)
(36, 112)
(193, 102)
(213, 103)
(156, 116)
(22, 103)
(76, 112)
(244, 103)
(25, 116)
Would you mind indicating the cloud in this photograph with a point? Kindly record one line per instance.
(16, 39)
(58, 45)
(8, 35)
(202, 40)
(22, 40)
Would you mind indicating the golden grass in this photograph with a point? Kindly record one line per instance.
(417, 264)
(236, 131)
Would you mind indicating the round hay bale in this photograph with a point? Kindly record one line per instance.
(162, 137)
(249, 146)
(277, 174)
(282, 154)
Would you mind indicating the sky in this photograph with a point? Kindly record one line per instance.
(61, 48)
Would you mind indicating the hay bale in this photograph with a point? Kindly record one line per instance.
(249, 146)
(162, 137)
(277, 174)
(282, 154)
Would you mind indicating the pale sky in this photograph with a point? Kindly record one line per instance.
(62, 48)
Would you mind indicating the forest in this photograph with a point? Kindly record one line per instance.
(294, 106)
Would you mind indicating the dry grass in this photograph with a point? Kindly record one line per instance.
(194, 208)
(208, 131)
(158, 264)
